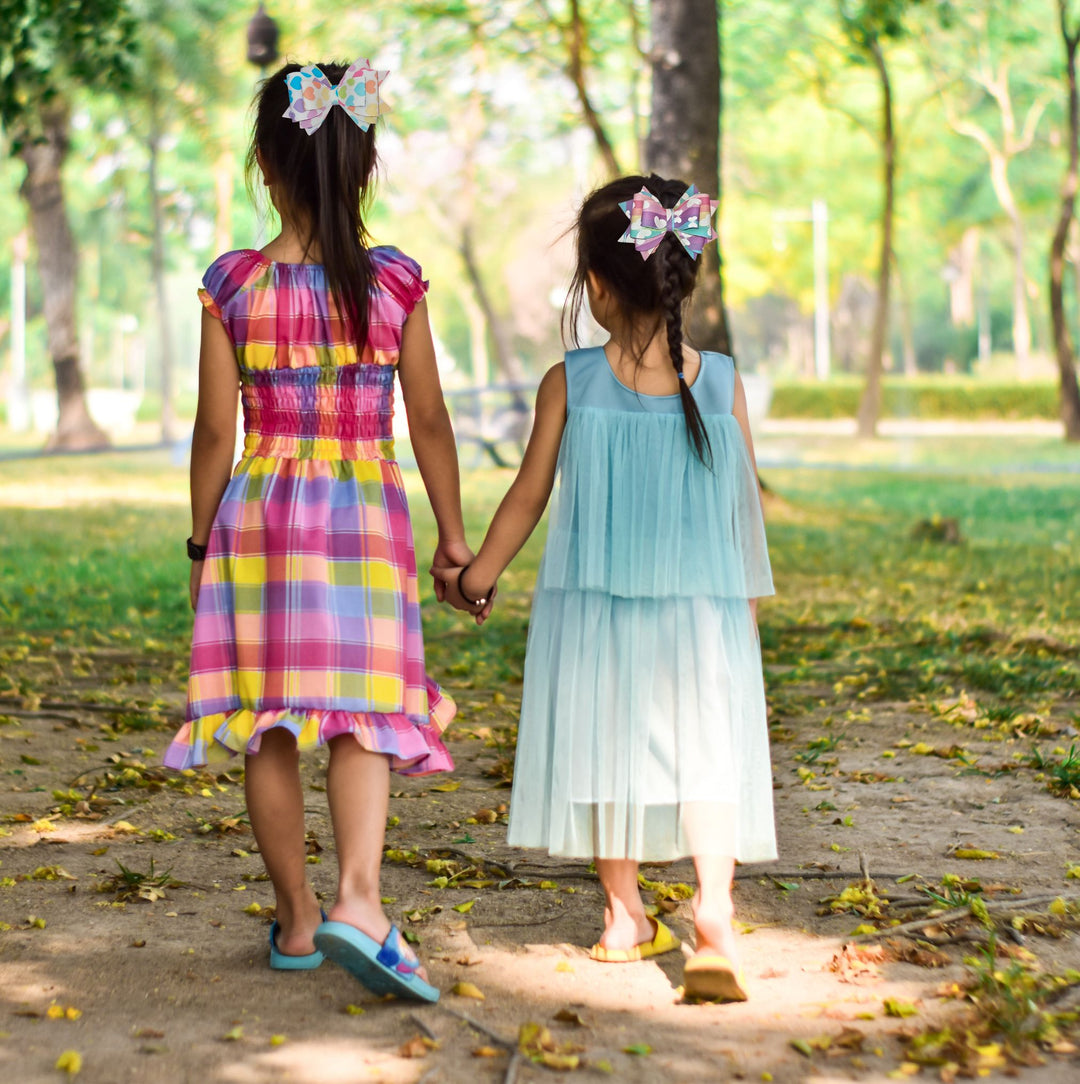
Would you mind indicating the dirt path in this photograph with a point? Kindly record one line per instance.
(176, 987)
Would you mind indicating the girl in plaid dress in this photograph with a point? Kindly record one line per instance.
(303, 578)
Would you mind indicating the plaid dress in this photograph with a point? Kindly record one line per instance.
(309, 613)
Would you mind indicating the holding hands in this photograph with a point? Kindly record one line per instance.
(448, 567)
(448, 579)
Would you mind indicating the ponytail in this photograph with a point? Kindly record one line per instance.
(342, 170)
(324, 178)
(672, 294)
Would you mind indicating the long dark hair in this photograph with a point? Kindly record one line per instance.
(322, 178)
(661, 284)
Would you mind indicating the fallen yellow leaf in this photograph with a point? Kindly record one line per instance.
(69, 1062)
(467, 989)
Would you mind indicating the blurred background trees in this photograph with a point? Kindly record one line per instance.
(932, 136)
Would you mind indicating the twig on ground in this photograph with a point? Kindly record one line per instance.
(506, 868)
(423, 1027)
(506, 925)
(507, 1044)
(77, 705)
(580, 873)
(1002, 907)
(42, 715)
(512, 1068)
(815, 875)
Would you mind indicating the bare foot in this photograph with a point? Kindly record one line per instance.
(296, 925)
(624, 931)
(714, 934)
(368, 917)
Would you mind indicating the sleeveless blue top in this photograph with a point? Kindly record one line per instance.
(636, 514)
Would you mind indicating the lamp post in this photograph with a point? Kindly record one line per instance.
(262, 40)
(819, 220)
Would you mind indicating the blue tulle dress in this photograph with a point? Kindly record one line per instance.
(643, 732)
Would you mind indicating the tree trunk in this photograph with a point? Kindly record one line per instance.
(165, 340)
(505, 359)
(999, 178)
(684, 135)
(42, 189)
(907, 323)
(1021, 320)
(576, 34)
(1063, 347)
(870, 404)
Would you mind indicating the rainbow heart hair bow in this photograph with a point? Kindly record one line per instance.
(312, 95)
(650, 221)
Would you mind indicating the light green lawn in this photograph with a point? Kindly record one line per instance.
(858, 599)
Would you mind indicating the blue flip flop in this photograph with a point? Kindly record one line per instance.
(383, 969)
(280, 962)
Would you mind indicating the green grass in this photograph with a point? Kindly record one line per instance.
(859, 601)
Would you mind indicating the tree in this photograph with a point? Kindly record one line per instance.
(867, 24)
(47, 48)
(174, 51)
(684, 134)
(1063, 347)
(986, 50)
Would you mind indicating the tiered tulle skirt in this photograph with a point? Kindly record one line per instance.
(643, 731)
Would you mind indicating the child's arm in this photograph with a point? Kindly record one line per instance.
(432, 437)
(213, 442)
(743, 418)
(525, 501)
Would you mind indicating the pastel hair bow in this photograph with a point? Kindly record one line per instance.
(650, 221)
(312, 95)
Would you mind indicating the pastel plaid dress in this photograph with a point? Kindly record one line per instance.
(308, 615)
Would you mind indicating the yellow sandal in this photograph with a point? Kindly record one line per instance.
(663, 941)
(712, 978)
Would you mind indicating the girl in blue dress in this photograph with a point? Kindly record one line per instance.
(643, 734)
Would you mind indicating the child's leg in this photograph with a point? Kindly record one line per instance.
(713, 909)
(358, 788)
(625, 921)
(275, 804)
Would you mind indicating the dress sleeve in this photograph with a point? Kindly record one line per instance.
(400, 275)
(226, 277)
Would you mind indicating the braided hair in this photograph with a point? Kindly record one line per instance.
(659, 285)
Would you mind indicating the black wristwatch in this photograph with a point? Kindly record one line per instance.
(195, 551)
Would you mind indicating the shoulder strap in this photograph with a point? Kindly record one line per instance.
(717, 395)
(576, 362)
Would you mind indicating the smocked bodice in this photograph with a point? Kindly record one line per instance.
(344, 412)
(307, 393)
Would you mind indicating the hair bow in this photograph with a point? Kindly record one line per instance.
(688, 220)
(312, 95)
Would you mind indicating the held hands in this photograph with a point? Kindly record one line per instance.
(449, 576)
(449, 555)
